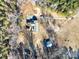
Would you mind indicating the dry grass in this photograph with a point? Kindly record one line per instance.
(27, 9)
(68, 34)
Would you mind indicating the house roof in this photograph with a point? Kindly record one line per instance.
(31, 19)
(34, 18)
(47, 42)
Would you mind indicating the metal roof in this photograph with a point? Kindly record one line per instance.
(31, 19)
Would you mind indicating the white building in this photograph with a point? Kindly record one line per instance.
(34, 26)
(33, 23)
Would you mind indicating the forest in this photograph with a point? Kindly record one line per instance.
(65, 6)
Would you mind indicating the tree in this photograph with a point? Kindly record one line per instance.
(5, 8)
(65, 6)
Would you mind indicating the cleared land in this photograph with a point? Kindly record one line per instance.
(29, 9)
(68, 34)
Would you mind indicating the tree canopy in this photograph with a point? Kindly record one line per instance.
(5, 8)
(65, 6)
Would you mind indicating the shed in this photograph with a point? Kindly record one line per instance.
(47, 43)
(31, 19)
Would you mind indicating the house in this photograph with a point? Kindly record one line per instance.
(32, 21)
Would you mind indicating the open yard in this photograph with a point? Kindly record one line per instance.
(68, 34)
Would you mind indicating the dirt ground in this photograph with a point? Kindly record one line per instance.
(29, 9)
(68, 34)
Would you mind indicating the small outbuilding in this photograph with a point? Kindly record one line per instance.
(47, 43)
